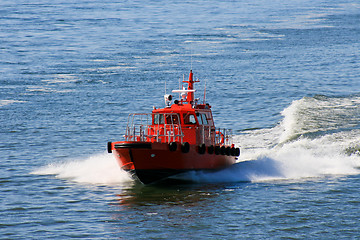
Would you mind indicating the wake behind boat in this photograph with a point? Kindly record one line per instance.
(178, 138)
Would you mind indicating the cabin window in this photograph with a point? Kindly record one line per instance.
(204, 119)
(158, 119)
(172, 119)
(189, 118)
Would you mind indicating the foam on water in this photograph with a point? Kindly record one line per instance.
(7, 102)
(317, 137)
(99, 169)
(312, 140)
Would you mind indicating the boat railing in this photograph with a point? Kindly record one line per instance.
(206, 135)
(136, 126)
(223, 136)
(140, 128)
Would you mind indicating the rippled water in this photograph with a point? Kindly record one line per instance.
(284, 76)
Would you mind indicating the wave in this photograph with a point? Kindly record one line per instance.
(7, 102)
(320, 114)
(99, 169)
(318, 136)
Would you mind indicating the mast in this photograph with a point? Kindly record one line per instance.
(189, 92)
(190, 95)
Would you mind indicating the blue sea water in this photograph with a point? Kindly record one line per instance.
(285, 76)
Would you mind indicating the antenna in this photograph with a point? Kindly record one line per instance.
(190, 57)
(204, 92)
(179, 88)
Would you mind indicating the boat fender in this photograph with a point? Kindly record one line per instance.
(217, 150)
(223, 150)
(210, 149)
(109, 147)
(233, 151)
(172, 146)
(185, 147)
(228, 151)
(201, 148)
(237, 151)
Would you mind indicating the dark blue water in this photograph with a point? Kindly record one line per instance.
(284, 76)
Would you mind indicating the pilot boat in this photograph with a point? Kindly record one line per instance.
(173, 140)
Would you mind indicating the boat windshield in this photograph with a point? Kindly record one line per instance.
(172, 119)
(204, 119)
(189, 118)
(158, 119)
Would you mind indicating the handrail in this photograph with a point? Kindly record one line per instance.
(140, 128)
(223, 136)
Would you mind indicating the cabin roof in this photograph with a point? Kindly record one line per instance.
(182, 108)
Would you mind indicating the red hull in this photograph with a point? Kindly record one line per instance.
(153, 162)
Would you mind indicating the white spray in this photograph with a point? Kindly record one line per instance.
(100, 169)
